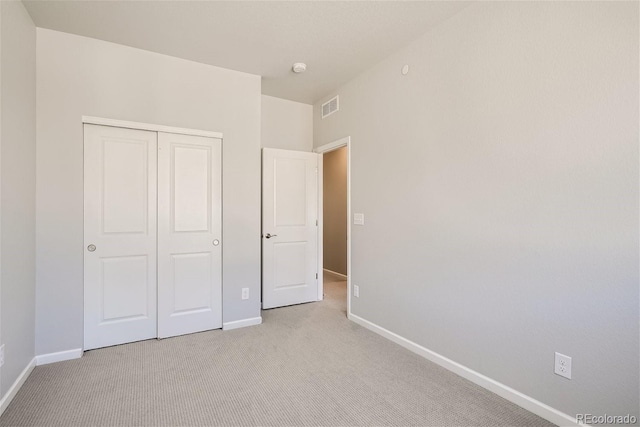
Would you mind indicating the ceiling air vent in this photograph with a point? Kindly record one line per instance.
(330, 107)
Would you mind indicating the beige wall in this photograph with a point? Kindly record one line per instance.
(79, 76)
(335, 210)
(286, 125)
(499, 183)
(18, 180)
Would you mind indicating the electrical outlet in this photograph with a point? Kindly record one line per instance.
(563, 365)
(356, 291)
(245, 293)
(1, 354)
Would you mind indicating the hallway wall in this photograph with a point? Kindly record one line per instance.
(335, 210)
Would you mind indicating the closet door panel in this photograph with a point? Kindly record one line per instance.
(191, 190)
(120, 198)
(189, 234)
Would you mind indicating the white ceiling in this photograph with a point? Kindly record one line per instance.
(336, 39)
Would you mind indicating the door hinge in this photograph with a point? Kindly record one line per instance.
(316, 222)
(316, 276)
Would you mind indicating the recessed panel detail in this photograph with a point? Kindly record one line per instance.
(191, 188)
(290, 260)
(290, 192)
(125, 191)
(191, 280)
(124, 282)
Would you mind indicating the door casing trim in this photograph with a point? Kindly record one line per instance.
(148, 126)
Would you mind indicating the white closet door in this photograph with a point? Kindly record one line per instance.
(189, 234)
(120, 214)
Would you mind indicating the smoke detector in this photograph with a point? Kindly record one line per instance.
(299, 67)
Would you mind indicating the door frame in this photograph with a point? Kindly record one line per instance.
(90, 120)
(342, 142)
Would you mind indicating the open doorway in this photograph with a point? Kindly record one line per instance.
(334, 225)
(334, 236)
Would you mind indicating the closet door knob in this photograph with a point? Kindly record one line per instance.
(91, 248)
(268, 236)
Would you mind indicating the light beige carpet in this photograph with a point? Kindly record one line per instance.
(305, 365)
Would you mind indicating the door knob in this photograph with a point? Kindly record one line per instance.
(91, 248)
(268, 236)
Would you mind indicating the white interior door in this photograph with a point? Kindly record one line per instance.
(189, 234)
(119, 235)
(289, 227)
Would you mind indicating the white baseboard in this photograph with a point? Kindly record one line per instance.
(342, 276)
(6, 400)
(506, 392)
(60, 356)
(227, 326)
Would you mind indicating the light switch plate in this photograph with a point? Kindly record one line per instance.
(358, 218)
